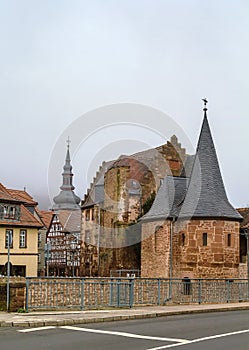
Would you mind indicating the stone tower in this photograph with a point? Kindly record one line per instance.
(191, 229)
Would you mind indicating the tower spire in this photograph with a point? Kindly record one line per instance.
(206, 194)
(67, 198)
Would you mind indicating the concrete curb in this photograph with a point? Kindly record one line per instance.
(111, 318)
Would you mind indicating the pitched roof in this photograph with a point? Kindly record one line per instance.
(46, 217)
(206, 194)
(168, 199)
(96, 193)
(6, 195)
(202, 195)
(26, 219)
(70, 220)
(22, 196)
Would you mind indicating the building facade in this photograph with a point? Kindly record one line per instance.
(19, 225)
(163, 212)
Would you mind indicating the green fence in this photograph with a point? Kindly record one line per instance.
(87, 293)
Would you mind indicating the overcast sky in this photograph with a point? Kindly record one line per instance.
(61, 59)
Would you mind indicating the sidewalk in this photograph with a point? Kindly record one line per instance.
(62, 318)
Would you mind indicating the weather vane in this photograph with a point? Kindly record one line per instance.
(205, 104)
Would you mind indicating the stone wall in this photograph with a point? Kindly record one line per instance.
(17, 295)
(191, 258)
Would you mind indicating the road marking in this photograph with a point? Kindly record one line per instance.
(124, 334)
(36, 329)
(200, 339)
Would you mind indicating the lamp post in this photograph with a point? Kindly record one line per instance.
(9, 240)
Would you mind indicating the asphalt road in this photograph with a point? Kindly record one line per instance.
(222, 330)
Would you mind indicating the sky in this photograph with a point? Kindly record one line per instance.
(63, 63)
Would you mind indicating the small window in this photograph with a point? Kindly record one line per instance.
(23, 239)
(9, 239)
(229, 240)
(204, 239)
(183, 239)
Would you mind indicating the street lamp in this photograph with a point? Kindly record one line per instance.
(47, 255)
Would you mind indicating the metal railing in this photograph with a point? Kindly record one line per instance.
(87, 293)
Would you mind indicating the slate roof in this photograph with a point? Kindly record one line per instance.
(203, 196)
(168, 200)
(96, 192)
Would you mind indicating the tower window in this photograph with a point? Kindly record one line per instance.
(183, 239)
(204, 239)
(229, 240)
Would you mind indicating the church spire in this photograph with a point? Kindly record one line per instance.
(67, 198)
(206, 194)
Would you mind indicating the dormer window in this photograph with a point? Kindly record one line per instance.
(9, 212)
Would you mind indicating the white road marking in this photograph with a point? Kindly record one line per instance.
(27, 330)
(124, 334)
(200, 339)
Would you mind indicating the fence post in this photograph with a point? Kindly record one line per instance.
(131, 297)
(199, 291)
(118, 292)
(82, 294)
(27, 295)
(228, 290)
(158, 291)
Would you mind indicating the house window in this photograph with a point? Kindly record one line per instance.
(204, 239)
(9, 239)
(229, 240)
(23, 239)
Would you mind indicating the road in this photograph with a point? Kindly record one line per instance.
(222, 330)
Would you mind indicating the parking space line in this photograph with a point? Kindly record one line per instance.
(27, 330)
(200, 339)
(124, 334)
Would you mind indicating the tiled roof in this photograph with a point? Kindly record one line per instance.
(26, 219)
(22, 196)
(5, 194)
(46, 217)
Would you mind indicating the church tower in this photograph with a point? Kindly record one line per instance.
(67, 199)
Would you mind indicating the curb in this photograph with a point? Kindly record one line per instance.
(70, 322)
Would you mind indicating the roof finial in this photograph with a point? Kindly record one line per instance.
(68, 142)
(205, 106)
